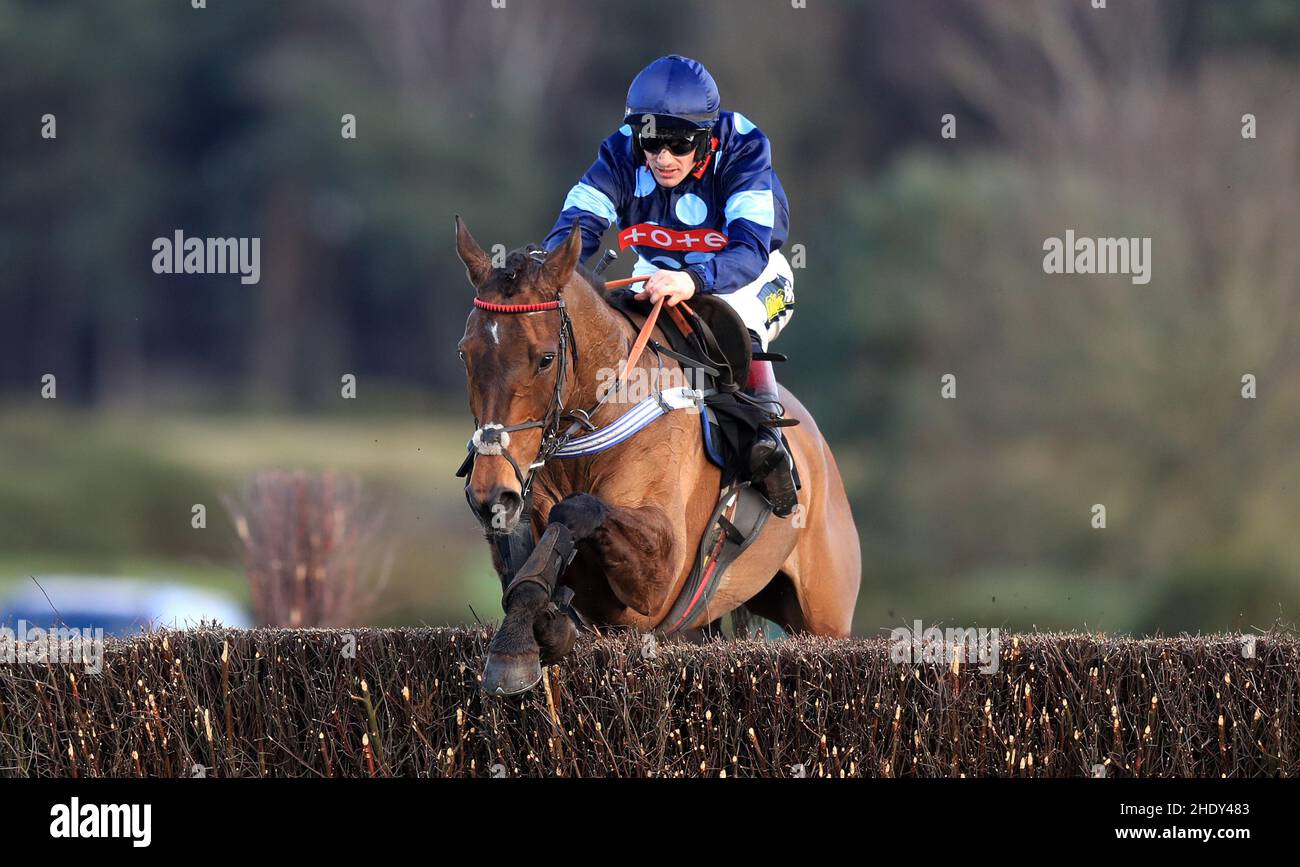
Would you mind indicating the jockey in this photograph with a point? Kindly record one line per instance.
(693, 191)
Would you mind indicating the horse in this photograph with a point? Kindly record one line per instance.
(616, 531)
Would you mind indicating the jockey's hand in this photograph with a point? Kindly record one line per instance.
(673, 285)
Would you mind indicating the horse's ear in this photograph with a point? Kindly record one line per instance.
(560, 264)
(478, 265)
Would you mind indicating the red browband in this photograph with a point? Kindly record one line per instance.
(517, 308)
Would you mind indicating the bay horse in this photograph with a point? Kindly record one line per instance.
(618, 528)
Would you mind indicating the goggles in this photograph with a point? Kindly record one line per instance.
(679, 144)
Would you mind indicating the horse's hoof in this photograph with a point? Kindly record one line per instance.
(510, 673)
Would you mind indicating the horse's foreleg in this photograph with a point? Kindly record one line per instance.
(634, 545)
(534, 629)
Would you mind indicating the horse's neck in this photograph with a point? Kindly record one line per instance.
(603, 338)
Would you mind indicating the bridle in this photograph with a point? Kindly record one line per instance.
(494, 439)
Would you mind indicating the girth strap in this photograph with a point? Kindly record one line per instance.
(736, 522)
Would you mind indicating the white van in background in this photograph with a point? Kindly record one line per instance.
(119, 606)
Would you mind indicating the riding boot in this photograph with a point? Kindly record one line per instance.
(770, 464)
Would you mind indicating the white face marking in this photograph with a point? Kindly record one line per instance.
(492, 332)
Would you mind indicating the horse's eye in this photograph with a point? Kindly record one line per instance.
(461, 353)
(547, 360)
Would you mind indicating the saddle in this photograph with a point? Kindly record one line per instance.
(708, 337)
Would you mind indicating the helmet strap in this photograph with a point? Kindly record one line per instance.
(701, 166)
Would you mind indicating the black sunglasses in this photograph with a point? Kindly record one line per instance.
(677, 145)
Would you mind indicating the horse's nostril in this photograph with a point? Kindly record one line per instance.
(501, 507)
(510, 501)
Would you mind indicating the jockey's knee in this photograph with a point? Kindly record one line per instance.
(766, 304)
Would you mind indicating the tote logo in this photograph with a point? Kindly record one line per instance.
(1098, 256)
(181, 255)
(650, 235)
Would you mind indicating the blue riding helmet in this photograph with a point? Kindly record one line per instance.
(680, 94)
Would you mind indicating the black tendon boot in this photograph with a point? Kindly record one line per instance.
(770, 464)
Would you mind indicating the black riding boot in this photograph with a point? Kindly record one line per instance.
(770, 464)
